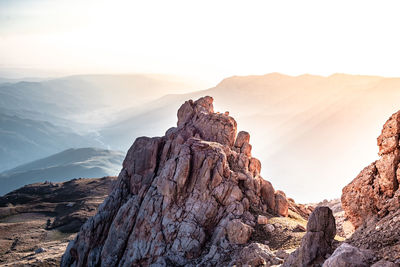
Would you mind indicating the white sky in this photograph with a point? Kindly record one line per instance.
(209, 39)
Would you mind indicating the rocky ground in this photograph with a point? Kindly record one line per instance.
(37, 221)
(26, 239)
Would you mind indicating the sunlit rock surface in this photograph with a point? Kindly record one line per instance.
(187, 198)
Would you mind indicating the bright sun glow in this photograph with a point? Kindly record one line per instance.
(211, 39)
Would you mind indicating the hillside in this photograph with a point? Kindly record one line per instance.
(24, 140)
(36, 221)
(43, 117)
(71, 163)
(85, 96)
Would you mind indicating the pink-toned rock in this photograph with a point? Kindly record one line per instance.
(242, 138)
(262, 219)
(281, 204)
(189, 194)
(255, 166)
(238, 232)
(372, 192)
(268, 194)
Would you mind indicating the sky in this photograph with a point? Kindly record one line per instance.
(208, 39)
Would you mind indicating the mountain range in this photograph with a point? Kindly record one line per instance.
(304, 128)
(39, 118)
(63, 166)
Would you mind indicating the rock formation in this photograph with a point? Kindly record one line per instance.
(372, 200)
(375, 191)
(317, 242)
(187, 198)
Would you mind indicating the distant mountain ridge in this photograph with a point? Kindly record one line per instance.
(23, 140)
(41, 117)
(71, 163)
(311, 123)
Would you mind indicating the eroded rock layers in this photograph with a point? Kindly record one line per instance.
(182, 199)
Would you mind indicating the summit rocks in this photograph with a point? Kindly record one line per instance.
(187, 198)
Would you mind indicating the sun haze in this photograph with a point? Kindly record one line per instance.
(209, 39)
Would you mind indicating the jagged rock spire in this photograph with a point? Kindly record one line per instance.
(187, 198)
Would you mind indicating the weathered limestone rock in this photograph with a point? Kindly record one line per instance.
(375, 191)
(317, 242)
(181, 199)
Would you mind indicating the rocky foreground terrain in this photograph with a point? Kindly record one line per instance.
(38, 220)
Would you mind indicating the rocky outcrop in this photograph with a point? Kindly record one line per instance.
(317, 242)
(372, 200)
(187, 198)
(375, 191)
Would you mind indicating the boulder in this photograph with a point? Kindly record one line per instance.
(256, 254)
(281, 204)
(269, 228)
(262, 219)
(348, 256)
(268, 194)
(317, 242)
(242, 138)
(238, 232)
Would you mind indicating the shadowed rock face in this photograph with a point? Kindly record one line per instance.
(180, 199)
(375, 191)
